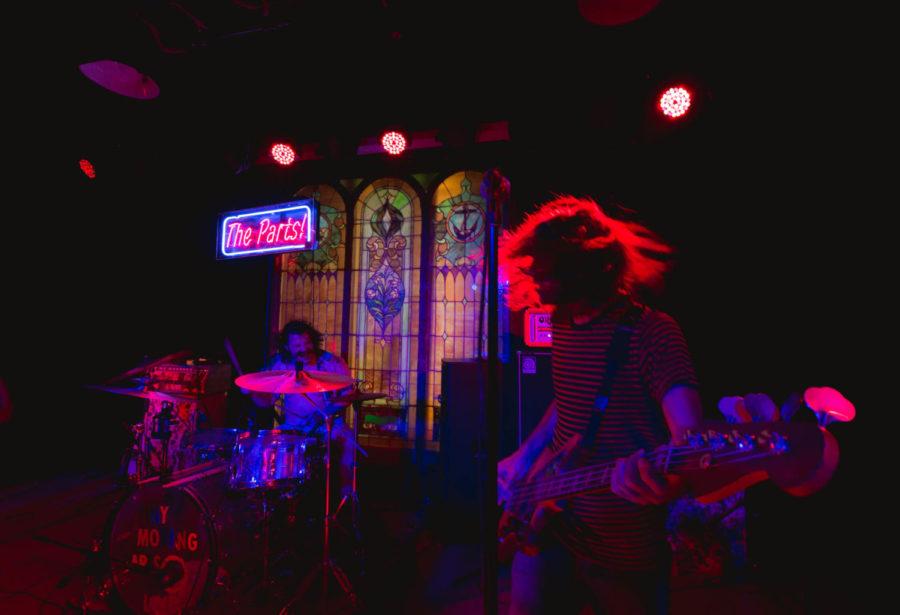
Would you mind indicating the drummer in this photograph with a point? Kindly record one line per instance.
(300, 342)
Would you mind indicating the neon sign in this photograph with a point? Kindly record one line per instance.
(285, 227)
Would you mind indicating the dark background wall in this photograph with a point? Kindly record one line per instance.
(757, 191)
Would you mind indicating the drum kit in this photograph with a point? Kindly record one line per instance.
(188, 529)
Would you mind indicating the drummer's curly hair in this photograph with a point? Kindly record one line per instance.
(298, 327)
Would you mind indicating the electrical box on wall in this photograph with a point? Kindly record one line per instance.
(538, 327)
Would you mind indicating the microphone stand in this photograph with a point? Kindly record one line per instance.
(495, 189)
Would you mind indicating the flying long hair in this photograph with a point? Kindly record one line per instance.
(593, 252)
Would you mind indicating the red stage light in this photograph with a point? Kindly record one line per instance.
(394, 143)
(87, 168)
(675, 102)
(283, 154)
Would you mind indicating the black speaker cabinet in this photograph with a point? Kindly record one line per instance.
(526, 391)
(534, 391)
(462, 397)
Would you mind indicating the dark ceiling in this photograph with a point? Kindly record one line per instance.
(244, 70)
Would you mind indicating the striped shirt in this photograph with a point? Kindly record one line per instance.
(609, 530)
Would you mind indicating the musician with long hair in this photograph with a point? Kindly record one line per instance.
(301, 343)
(624, 383)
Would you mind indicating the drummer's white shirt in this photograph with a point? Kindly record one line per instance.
(297, 408)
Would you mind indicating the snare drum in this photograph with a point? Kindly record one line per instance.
(272, 459)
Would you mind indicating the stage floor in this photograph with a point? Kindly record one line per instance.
(408, 563)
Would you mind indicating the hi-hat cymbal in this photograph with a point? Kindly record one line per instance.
(286, 381)
(140, 392)
(354, 396)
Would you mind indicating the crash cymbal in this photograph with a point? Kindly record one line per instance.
(286, 381)
(355, 396)
(140, 392)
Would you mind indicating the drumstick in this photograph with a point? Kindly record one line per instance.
(232, 357)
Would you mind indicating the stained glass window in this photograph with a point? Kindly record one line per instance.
(312, 283)
(382, 332)
(384, 311)
(459, 231)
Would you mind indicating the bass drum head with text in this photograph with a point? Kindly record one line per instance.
(160, 547)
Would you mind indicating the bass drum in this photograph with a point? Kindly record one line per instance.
(178, 546)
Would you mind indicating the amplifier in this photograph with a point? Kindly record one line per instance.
(461, 468)
(190, 378)
(535, 391)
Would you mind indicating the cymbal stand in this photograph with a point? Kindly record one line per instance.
(163, 433)
(327, 566)
(353, 496)
(267, 552)
(262, 591)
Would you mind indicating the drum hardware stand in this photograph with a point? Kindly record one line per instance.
(163, 433)
(327, 566)
(267, 547)
(94, 567)
(134, 454)
(262, 591)
(353, 497)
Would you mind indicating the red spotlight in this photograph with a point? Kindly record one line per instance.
(614, 12)
(675, 102)
(393, 142)
(283, 154)
(87, 168)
